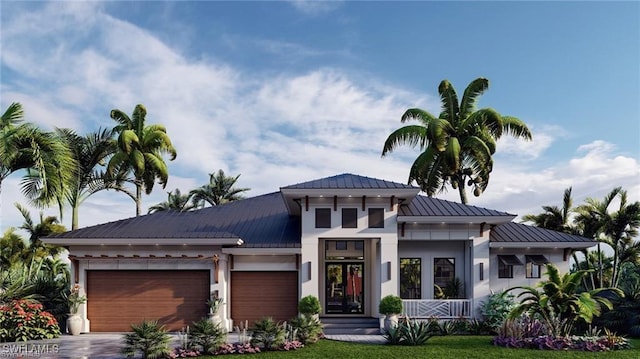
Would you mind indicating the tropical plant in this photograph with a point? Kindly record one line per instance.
(45, 158)
(47, 226)
(457, 146)
(411, 332)
(496, 309)
(624, 317)
(207, 336)
(175, 202)
(615, 228)
(307, 328)
(148, 338)
(559, 304)
(390, 304)
(268, 334)
(553, 217)
(23, 320)
(219, 190)
(13, 249)
(309, 305)
(90, 153)
(139, 152)
(75, 299)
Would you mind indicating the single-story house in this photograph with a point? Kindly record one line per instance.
(347, 239)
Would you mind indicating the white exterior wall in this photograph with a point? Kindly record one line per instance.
(480, 255)
(556, 256)
(381, 246)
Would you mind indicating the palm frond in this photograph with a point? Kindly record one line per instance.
(449, 98)
(476, 88)
(412, 135)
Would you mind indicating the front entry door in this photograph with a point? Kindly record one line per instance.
(345, 292)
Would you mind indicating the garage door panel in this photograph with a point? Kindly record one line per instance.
(258, 294)
(117, 299)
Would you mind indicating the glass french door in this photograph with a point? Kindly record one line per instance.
(345, 291)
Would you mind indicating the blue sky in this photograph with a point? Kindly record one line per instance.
(284, 92)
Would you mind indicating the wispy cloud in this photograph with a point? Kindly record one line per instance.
(316, 7)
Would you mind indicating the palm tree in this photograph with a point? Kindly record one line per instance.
(47, 226)
(559, 303)
(90, 152)
(615, 228)
(46, 159)
(13, 249)
(175, 202)
(219, 190)
(139, 151)
(554, 218)
(458, 144)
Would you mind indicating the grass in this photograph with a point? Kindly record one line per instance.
(458, 347)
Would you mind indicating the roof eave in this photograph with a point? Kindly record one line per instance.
(261, 251)
(456, 219)
(575, 245)
(143, 241)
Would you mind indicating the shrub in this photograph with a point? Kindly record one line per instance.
(391, 304)
(495, 310)
(309, 305)
(237, 348)
(148, 338)
(268, 334)
(207, 336)
(307, 329)
(23, 320)
(411, 332)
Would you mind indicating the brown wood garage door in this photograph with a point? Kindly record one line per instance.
(117, 299)
(263, 294)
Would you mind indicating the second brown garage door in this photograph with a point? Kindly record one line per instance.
(117, 299)
(263, 294)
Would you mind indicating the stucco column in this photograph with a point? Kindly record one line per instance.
(388, 266)
(222, 288)
(481, 288)
(309, 267)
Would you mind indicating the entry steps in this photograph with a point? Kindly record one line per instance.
(350, 325)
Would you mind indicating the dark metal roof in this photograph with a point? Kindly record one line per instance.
(429, 206)
(349, 181)
(261, 221)
(510, 260)
(537, 259)
(518, 232)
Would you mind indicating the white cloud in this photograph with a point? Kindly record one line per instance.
(274, 130)
(315, 7)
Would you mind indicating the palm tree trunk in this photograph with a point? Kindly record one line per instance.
(600, 264)
(74, 217)
(575, 259)
(138, 198)
(615, 269)
(462, 191)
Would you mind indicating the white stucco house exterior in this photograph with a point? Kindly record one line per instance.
(347, 239)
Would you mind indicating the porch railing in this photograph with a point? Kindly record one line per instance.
(437, 308)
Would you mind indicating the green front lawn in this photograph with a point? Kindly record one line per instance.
(458, 347)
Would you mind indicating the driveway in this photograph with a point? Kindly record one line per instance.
(84, 346)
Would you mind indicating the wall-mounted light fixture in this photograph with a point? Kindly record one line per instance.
(481, 270)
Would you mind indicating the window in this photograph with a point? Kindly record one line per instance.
(444, 271)
(349, 218)
(505, 265)
(376, 217)
(323, 217)
(341, 245)
(534, 264)
(410, 278)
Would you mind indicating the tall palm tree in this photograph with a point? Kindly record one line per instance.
(616, 228)
(554, 218)
(175, 202)
(139, 151)
(90, 152)
(219, 190)
(46, 159)
(457, 146)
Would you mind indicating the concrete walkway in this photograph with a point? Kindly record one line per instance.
(108, 346)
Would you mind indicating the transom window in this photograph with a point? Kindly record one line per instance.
(339, 250)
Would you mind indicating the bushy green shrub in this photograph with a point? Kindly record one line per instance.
(309, 305)
(147, 338)
(391, 304)
(23, 320)
(496, 309)
(307, 328)
(268, 334)
(206, 336)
